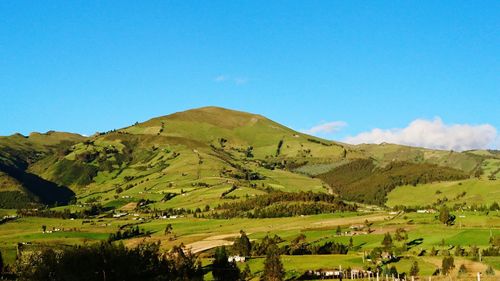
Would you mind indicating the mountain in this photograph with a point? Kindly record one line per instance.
(18, 186)
(205, 156)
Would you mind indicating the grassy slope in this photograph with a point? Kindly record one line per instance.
(176, 152)
(477, 192)
(481, 191)
(18, 186)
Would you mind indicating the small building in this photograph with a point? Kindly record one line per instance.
(357, 227)
(236, 259)
(426, 211)
(119, 215)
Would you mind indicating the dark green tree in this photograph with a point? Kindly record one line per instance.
(445, 216)
(273, 267)
(447, 264)
(433, 252)
(393, 271)
(414, 270)
(1, 264)
(246, 273)
(222, 269)
(168, 229)
(242, 245)
(462, 269)
(338, 231)
(387, 242)
(401, 234)
(494, 207)
(490, 271)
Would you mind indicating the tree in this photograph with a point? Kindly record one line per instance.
(459, 251)
(387, 242)
(433, 252)
(462, 269)
(1, 264)
(393, 271)
(445, 217)
(414, 270)
(474, 252)
(447, 264)
(246, 273)
(338, 231)
(494, 207)
(273, 267)
(222, 269)
(168, 229)
(242, 245)
(401, 234)
(44, 228)
(490, 271)
(351, 242)
(109, 261)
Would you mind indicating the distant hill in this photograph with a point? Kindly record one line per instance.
(211, 154)
(18, 186)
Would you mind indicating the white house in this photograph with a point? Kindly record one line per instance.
(236, 259)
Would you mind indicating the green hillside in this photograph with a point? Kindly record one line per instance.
(19, 187)
(217, 156)
(206, 174)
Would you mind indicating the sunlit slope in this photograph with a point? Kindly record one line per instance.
(386, 153)
(227, 155)
(483, 189)
(215, 152)
(468, 193)
(18, 186)
(235, 131)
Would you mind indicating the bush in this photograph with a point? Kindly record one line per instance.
(490, 271)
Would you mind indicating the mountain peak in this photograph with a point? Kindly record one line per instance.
(213, 115)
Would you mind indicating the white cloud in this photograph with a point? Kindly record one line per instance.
(433, 134)
(326, 128)
(226, 78)
(240, 80)
(221, 78)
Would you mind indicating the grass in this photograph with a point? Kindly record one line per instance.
(182, 154)
(318, 229)
(478, 191)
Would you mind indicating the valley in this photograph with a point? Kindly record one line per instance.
(199, 177)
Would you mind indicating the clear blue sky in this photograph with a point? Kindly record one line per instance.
(86, 66)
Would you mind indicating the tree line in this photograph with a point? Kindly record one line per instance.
(283, 204)
(107, 261)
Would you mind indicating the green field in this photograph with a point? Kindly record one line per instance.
(481, 192)
(198, 160)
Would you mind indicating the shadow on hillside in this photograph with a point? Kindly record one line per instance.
(415, 242)
(45, 191)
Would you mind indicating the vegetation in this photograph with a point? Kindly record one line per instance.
(242, 245)
(222, 269)
(106, 262)
(1, 264)
(445, 217)
(197, 178)
(448, 264)
(127, 233)
(283, 204)
(273, 267)
(414, 270)
(362, 181)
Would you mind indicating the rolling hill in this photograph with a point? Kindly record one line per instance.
(209, 156)
(20, 187)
